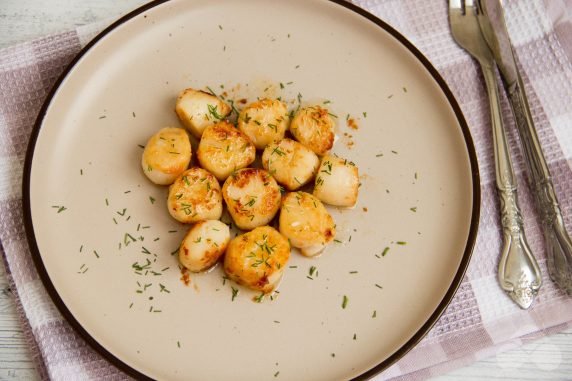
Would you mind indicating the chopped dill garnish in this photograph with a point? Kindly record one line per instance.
(345, 302)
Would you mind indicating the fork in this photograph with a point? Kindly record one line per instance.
(518, 273)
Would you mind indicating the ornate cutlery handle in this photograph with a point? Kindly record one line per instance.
(519, 274)
(558, 243)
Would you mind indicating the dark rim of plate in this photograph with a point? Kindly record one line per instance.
(29, 226)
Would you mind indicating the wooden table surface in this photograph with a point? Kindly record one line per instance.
(547, 359)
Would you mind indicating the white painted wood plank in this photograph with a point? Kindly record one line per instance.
(15, 361)
(20, 20)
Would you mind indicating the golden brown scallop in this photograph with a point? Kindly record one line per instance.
(224, 149)
(257, 259)
(195, 196)
(314, 127)
(198, 109)
(306, 223)
(264, 121)
(337, 181)
(203, 245)
(252, 197)
(291, 163)
(167, 154)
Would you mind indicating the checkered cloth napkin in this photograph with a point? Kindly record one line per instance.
(480, 321)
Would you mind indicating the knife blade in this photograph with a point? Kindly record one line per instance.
(558, 242)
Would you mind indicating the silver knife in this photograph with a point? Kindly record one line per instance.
(557, 239)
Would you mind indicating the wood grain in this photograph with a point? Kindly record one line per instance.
(15, 362)
(549, 358)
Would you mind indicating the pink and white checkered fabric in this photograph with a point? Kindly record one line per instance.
(480, 321)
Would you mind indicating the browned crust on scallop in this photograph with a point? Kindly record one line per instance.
(269, 203)
(320, 142)
(240, 263)
(195, 195)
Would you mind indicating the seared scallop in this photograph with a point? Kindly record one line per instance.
(252, 197)
(290, 163)
(337, 182)
(198, 109)
(314, 127)
(166, 155)
(306, 223)
(223, 149)
(203, 245)
(257, 259)
(195, 196)
(264, 121)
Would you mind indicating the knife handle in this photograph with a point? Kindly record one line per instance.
(558, 243)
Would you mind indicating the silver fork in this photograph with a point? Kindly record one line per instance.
(519, 274)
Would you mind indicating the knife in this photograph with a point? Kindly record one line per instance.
(557, 239)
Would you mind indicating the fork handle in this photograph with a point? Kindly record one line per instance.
(558, 243)
(519, 274)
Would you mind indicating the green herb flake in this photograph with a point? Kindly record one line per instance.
(345, 301)
(213, 111)
(312, 270)
(384, 252)
(374, 315)
(211, 91)
(401, 243)
(59, 208)
(413, 209)
(234, 293)
(378, 286)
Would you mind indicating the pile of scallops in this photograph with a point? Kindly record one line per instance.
(294, 149)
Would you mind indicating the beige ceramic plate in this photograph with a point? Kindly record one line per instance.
(102, 237)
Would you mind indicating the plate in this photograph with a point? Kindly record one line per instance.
(103, 241)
